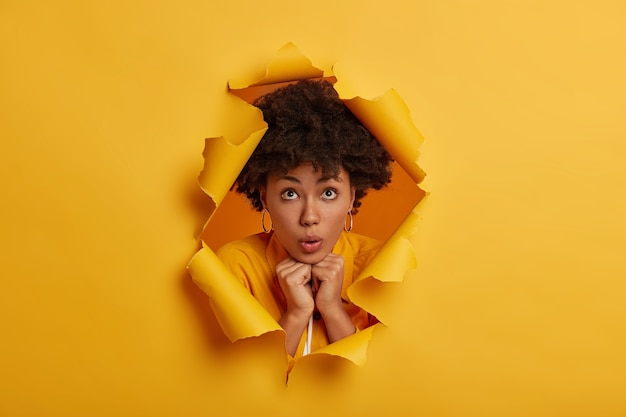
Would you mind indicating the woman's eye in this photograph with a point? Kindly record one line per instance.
(289, 195)
(330, 194)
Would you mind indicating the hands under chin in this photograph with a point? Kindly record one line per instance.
(309, 287)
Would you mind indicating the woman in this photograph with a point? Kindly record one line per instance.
(307, 176)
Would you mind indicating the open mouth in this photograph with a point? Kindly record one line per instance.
(311, 245)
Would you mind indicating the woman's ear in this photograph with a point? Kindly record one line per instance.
(262, 197)
(352, 198)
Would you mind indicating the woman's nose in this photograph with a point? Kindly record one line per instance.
(310, 215)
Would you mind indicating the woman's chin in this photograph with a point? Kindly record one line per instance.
(310, 258)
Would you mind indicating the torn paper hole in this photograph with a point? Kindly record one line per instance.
(388, 119)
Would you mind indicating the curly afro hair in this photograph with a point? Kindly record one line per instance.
(308, 123)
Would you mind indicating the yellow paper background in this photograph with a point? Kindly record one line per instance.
(516, 307)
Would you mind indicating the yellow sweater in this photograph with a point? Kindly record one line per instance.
(253, 261)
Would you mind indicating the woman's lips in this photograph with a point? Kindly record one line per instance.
(311, 244)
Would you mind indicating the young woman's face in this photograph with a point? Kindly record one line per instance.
(308, 210)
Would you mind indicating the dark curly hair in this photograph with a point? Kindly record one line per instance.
(308, 123)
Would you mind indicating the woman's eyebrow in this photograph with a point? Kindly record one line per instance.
(319, 181)
(329, 178)
(289, 178)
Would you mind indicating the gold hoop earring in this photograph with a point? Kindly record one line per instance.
(265, 229)
(348, 229)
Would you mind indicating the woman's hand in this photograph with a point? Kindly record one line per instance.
(327, 282)
(327, 285)
(294, 279)
(309, 286)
